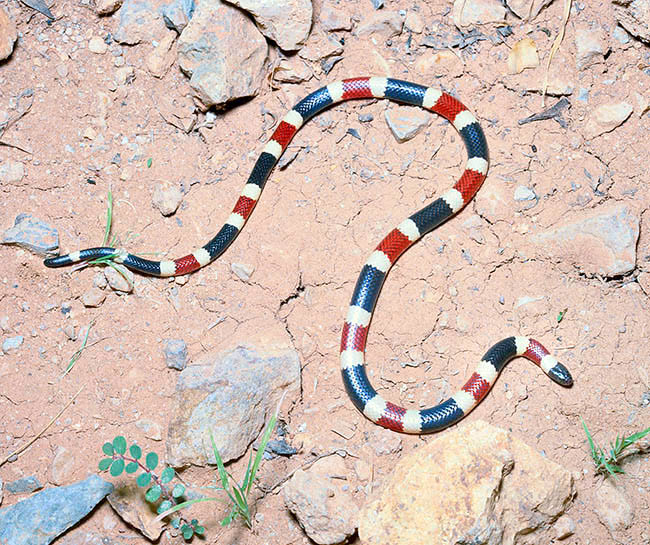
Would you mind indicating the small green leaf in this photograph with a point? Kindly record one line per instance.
(151, 461)
(131, 467)
(135, 451)
(153, 494)
(149, 161)
(187, 531)
(164, 506)
(167, 475)
(561, 314)
(176, 523)
(119, 444)
(107, 448)
(143, 479)
(117, 467)
(178, 491)
(194, 522)
(199, 530)
(105, 464)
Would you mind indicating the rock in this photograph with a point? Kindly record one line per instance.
(565, 526)
(11, 172)
(32, 234)
(121, 281)
(38, 520)
(175, 353)
(124, 75)
(161, 59)
(128, 501)
(243, 271)
(12, 344)
(523, 55)
(139, 22)
(606, 118)
(232, 395)
(167, 198)
(332, 18)
(97, 45)
(320, 46)
(523, 193)
(414, 22)
(468, 13)
(24, 485)
(150, 429)
(287, 23)
(63, 464)
(527, 9)
(327, 514)
(106, 7)
(601, 241)
(431, 65)
(93, 298)
(591, 47)
(474, 484)
(386, 24)
(8, 34)
(634, 16)
(613, 508)
(405, 121)
(178, 14)
(223, 52)
(293, 70)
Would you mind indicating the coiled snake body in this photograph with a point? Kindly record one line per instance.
(374, 271)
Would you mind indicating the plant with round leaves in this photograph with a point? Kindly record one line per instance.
(159, 491)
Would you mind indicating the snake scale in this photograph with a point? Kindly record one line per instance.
(375, 269)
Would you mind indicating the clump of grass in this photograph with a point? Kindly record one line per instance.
(159, 492)
(609, 463)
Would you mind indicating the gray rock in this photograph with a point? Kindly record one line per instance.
(523, 193)
(405, 122)
(24, 485)
(32, 234)
(377, 4)
(38, 520)
(12, 344)
(178, 14)
(287, 23)
(634, 16)
(139, 22)
(223, 52)
(599, 242)
(232, 395)
(175, 352)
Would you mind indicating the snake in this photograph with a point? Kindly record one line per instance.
(374, 271)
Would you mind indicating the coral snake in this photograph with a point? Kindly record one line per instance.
(375, 269)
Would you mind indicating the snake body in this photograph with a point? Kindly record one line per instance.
(374, 271)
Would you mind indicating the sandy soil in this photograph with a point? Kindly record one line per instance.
(450, 297)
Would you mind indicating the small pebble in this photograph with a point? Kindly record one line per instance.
(93, 298)
(12, 344)
(242, 271)
(175, 353)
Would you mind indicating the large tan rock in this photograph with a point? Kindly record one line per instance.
(475, 484)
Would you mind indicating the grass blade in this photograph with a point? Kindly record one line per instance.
(109, 217)
(260, 452)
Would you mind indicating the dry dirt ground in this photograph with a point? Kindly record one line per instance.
(448, 299)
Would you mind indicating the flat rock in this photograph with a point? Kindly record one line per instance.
(468, 13)
(24, 485)
(527, 9)
(120, 279)
(161, 59)
(11, 172)
(634, 16)
(8, 34)
(332, 18)
(177, 14)
(231, 394)
(326, 513)
(94, 297)
(591, 46)
(62, 466)
(320, 46)
(32, 234)
(12, 344)
(606, 117)
(386, 24)
(405, 121)
(140, 21)
(223, 52)
(40, 519)
(106, 7)
(167, 197)
(286, 22)
(474, 484)
(601, 241)
(128, 501)
(293, 70)
(613, 508)
(175, 353)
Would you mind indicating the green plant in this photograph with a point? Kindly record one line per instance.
(609, 464)
(164, 497)
(237, 494)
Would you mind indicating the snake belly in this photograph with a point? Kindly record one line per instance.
(374, 271)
